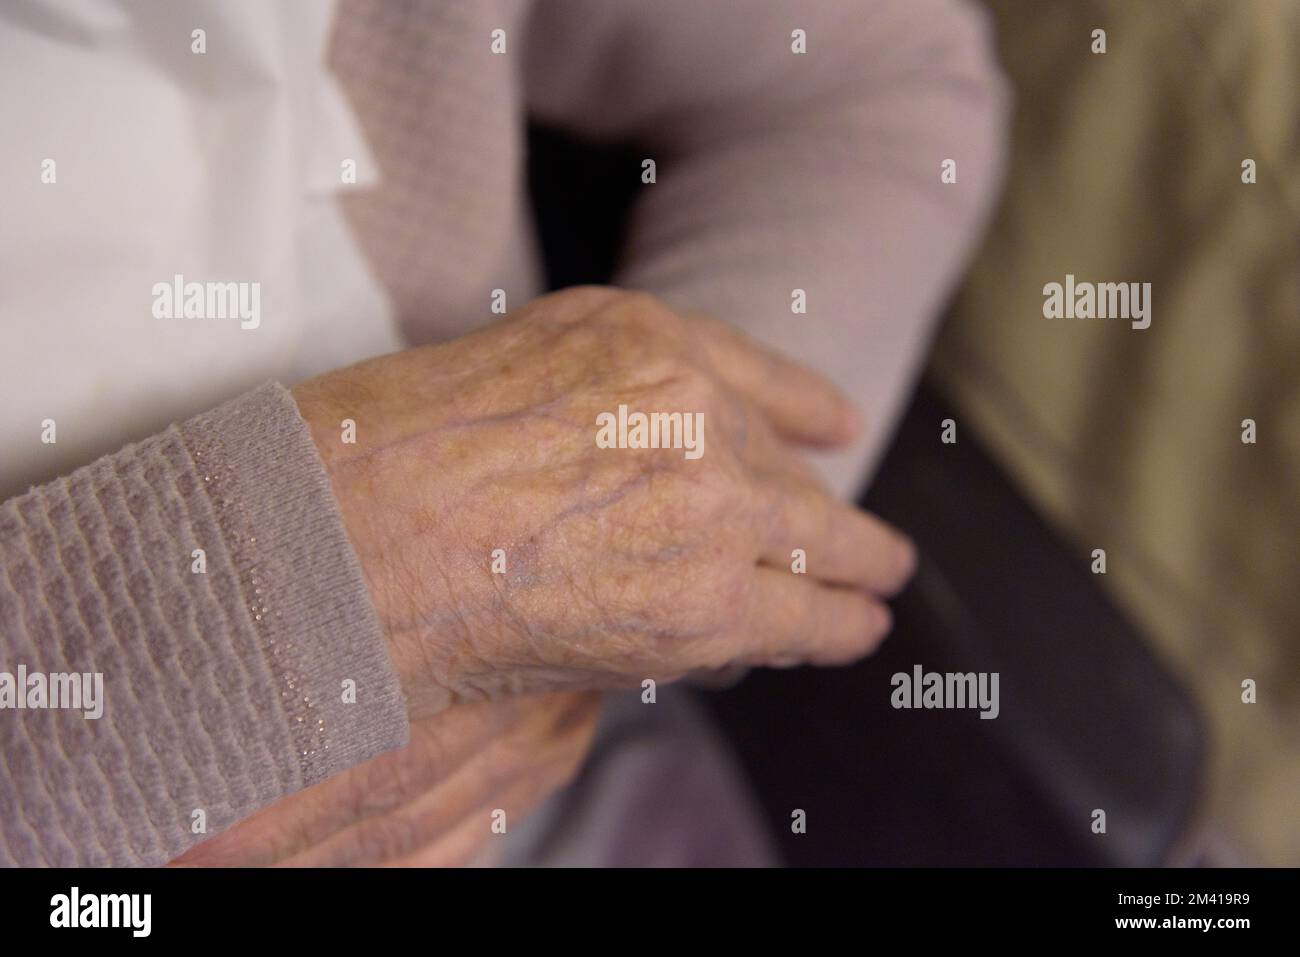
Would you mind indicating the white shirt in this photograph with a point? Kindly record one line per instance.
(124, 168)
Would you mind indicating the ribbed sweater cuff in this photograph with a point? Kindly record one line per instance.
(313, 608)
(224, 689)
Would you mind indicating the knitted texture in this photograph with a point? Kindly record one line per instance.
(223, 689)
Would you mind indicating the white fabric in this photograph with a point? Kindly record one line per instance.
(220, 168)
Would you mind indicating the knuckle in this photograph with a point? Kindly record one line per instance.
(689, 388)
(642, 308)
(641, 320)
(573, 305)
(382, 784)
(717, 598)
(389, 837)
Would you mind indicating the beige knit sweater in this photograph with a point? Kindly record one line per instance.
(776, 171)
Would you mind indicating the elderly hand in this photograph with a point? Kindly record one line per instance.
(429, 804)
(507, 551)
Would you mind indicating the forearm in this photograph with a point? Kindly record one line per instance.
(223, 676)
(798, 195)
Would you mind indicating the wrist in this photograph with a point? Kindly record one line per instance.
(354, 493)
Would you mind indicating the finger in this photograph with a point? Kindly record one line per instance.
(554, 729)
(802, 405)
(836, 542)
(465, 846)
(796, 619)
(437, 748)
(471, 841)
(425, 819)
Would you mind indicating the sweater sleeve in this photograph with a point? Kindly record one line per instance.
(203, 582)
(799, 147)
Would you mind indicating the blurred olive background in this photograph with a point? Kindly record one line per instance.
(1127, 167)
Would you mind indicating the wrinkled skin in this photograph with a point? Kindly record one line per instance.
(622, 564)
(429, 804)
